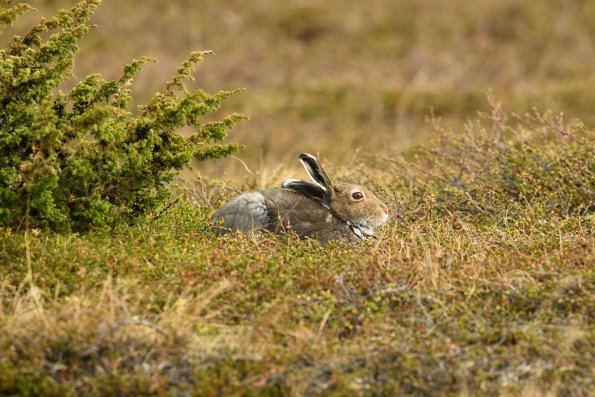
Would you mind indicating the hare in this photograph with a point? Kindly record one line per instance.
(319, 209)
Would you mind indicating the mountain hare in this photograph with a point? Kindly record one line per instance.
(322, 209)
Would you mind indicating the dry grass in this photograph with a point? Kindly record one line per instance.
(433, 307)
(481, 284)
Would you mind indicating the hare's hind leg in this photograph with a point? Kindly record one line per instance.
(247, 212)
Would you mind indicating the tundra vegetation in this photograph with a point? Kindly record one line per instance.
(481, 284)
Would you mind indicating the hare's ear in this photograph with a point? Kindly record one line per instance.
(306, 189)
(317, 174)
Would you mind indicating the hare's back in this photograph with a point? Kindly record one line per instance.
(304, 215)
(278, 210)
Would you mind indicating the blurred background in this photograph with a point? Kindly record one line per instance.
(338, 78)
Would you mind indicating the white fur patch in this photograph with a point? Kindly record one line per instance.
(329, 218)
(385, 218)
(254, 204)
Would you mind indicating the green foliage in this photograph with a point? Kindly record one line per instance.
(80, 160)
(9, 14)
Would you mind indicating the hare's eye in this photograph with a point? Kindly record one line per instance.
(357, 195)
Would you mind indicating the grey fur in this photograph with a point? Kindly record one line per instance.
(246, 212)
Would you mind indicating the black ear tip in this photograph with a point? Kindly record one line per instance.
(290, 182)
(306, 156)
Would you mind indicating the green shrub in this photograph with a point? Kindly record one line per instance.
(80, 160)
